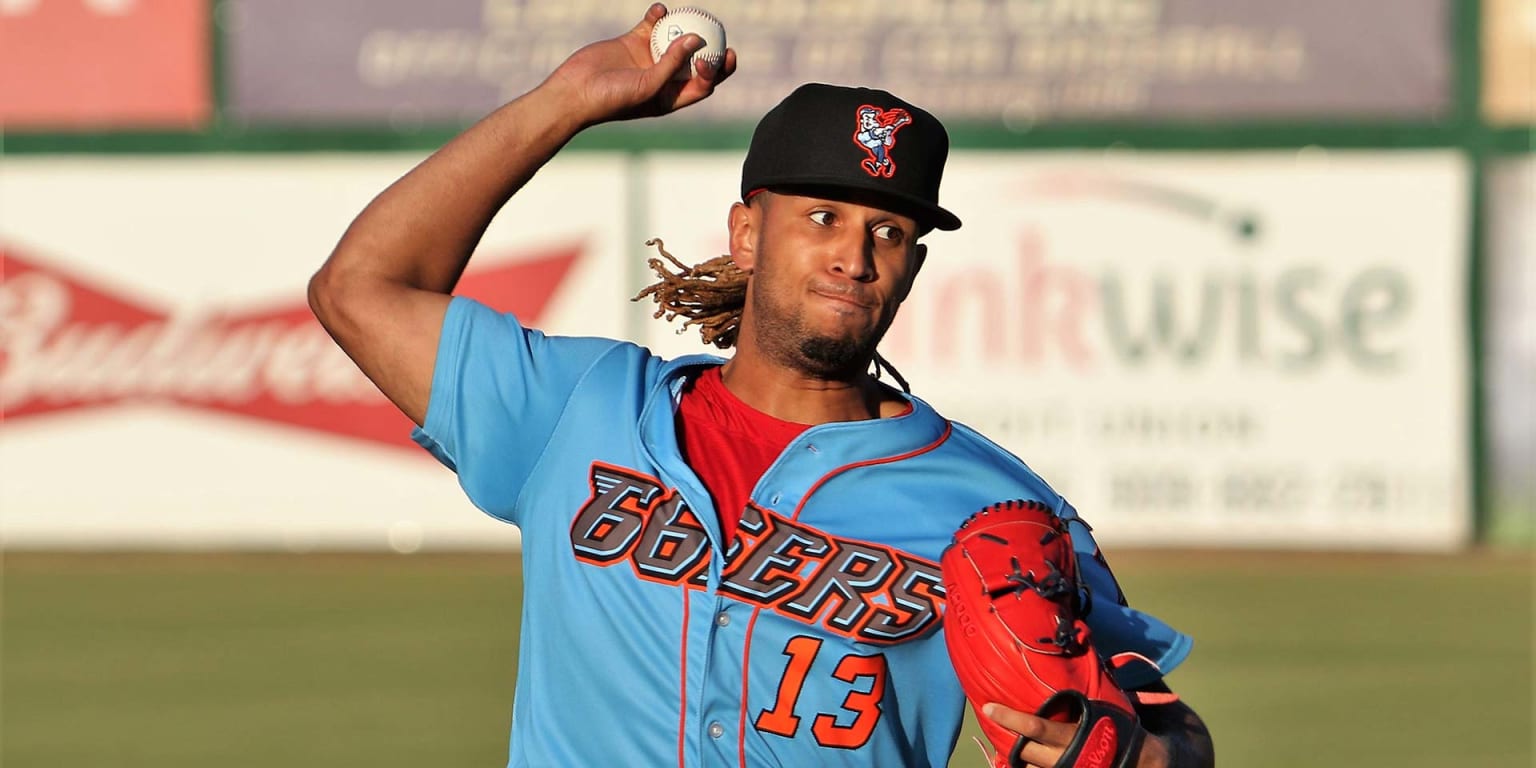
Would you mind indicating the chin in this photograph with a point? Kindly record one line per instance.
(836, 356)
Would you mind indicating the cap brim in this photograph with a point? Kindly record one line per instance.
(927, 215)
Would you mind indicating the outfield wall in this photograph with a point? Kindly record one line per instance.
(1233, 273)
(1221, 348)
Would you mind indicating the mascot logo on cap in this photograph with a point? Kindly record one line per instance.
(877, 134)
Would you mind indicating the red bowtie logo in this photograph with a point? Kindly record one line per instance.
(66, 344)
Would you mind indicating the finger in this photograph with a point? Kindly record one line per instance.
(642, 29)
(1037, 754)
(706, 78)
(1037, 749)
(653, 14)
(1046, 739)
(727, 66)
(707, 71)
(676, 55)
(1021, 723)
(702, 77)
(1032, 727)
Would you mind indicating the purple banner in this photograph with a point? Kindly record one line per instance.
(1022, 62)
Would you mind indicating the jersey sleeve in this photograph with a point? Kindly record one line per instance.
(1116, 627)
(498, 392)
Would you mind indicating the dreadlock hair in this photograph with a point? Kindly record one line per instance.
(711, 295)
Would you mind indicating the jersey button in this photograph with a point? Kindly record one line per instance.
(716, 730)
(724, 619)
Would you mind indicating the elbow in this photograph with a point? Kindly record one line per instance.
(336, 297)
(323, 296)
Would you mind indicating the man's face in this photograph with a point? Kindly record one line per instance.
(827, 277)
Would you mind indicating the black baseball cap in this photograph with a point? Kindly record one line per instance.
(831, 140)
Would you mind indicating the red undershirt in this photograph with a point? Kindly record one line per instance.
(729, 444)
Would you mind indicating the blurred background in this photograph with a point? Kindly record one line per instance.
(1252, 283)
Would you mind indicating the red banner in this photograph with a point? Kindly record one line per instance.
(85, 64)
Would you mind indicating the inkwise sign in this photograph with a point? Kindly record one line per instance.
(1265, 347)
(1185, 282)
(68, 343)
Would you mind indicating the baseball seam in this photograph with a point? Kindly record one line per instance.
(659, 46)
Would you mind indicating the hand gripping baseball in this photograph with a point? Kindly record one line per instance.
(1015, 632)
(616, 79)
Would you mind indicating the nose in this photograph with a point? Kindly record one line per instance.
(853, 256)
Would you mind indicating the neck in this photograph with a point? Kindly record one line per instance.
(791, 395)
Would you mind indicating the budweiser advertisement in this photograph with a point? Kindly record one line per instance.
(98, 64)
(1251, 349)
(163, 382)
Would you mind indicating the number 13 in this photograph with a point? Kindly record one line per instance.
(781, 719)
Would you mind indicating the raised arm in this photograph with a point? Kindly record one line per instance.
(383, 291)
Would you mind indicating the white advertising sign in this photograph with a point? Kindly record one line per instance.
(1255, 349)
(164, 384)
(1251, 349)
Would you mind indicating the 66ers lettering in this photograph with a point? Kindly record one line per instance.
(865, 591)
(634, 518)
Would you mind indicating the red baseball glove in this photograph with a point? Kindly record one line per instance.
(1015, 631)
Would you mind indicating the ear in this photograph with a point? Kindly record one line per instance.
(742, 222)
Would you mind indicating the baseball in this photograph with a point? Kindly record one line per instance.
(680, 22)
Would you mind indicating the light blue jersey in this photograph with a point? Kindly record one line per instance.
(813, 639)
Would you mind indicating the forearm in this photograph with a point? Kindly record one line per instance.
(419, 233)
(1182, 740)
(384, 292)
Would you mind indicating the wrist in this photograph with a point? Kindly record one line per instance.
(559, 103)
(1154, 753)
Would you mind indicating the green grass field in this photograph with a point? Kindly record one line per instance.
(369, 660)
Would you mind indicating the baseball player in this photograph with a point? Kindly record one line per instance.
(878, 136)
(727, 562)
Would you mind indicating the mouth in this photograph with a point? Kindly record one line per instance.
(849, 298)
